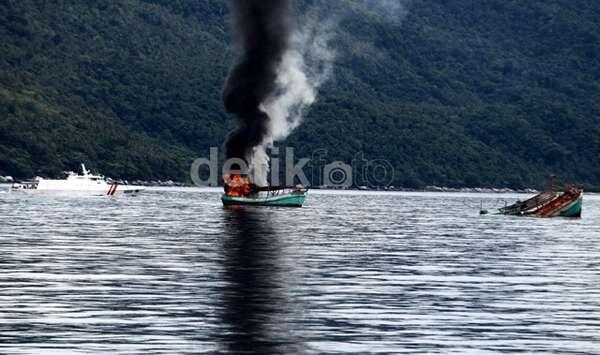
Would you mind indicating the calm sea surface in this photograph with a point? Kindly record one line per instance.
(172, 271)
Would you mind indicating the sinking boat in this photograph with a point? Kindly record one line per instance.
(85, 183)
(239, 191)
(550, 203)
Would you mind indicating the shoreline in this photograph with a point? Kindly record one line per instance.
(6, 186)
(433, 188)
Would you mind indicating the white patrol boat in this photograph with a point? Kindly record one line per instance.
(85, 183)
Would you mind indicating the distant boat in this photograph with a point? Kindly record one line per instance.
(85, 183)
(550, 203)
(239, 191)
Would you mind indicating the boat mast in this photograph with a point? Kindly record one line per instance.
(84, 170)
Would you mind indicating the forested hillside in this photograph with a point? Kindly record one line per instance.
(454, 93)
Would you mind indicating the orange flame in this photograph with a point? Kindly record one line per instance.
(237, 185)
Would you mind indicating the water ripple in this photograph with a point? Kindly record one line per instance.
(172, 271)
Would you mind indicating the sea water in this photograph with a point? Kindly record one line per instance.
(172, 271)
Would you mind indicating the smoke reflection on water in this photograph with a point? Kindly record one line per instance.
(253, 301)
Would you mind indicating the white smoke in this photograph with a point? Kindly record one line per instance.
(307, 65)
(259, 165)
(304, 68)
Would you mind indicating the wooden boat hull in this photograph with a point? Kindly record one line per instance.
(287, 200)
(529, 206)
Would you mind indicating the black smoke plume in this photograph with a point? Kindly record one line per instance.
(262, 30)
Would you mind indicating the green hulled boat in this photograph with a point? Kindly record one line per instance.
(281, 200)
(241, 192)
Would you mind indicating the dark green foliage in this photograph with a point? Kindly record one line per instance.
(459, 93)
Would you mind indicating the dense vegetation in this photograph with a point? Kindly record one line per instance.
(458, 93)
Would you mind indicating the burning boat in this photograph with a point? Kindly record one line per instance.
(550, 203)
(239, 190)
